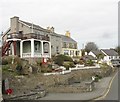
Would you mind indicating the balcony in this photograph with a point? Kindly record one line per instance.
(28, 36)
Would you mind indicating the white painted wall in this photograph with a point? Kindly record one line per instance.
(92, 54)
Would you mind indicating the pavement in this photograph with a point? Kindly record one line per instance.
(101, 88)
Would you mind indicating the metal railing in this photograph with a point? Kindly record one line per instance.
(28, 36)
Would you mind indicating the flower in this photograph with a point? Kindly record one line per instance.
(9, 91)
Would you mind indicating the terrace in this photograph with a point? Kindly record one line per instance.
(27, 36)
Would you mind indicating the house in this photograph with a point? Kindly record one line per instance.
(96, 53)
(28, 40)
(109, 55)
(89, 57)
(56, 41)
(69, 45)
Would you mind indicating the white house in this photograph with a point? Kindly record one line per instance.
(95, 53)
(109, 55)
(22, 40)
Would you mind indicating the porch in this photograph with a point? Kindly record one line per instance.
(35, 48)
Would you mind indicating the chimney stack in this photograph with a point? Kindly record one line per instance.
(14, 24)
(51, 29)
(67, 34)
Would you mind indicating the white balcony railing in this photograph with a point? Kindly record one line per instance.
(46, 55)
(37, 55)
(26, 55)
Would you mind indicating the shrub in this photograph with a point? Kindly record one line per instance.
(97, 77)
(89, 63)
(39, 62)
(82, 62)
(61, 58)
(46, 70)
(19, 69)
(76, 62)
(4, 61)
(5, 67)
(67, 65)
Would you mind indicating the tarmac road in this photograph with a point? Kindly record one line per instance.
(112, 93)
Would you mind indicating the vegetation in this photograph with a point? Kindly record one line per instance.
(89, 63)
(90, 46)
(83, 52)
(60, 59)
(117, 49)
(67, 65)
(76, 62)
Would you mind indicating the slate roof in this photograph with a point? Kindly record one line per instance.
(34, 26)
(97, 52)
(37, 27)
(64, 38)
(90, 57)
(67, 39)
(110, 52)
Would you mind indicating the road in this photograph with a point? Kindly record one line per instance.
(112, 93)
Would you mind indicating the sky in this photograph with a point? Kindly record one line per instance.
(87, 20)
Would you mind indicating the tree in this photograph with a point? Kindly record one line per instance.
(90, 46)
(117, 49)
(100, 56)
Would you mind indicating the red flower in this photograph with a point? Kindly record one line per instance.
(9, 91)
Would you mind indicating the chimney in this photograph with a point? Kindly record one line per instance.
(51, 29)
(67, 34)
(14, 24)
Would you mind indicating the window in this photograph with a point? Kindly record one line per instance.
(64, 45)
(57, 50)
(70, 45)
(75, 46)
(66, 52)
(36, 47)
(46, 47)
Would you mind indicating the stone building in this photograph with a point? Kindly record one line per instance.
(29, 40)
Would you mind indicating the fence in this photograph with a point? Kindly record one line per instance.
(78, 67)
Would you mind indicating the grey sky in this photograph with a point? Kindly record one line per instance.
(87, 20)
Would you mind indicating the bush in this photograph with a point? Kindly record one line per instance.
(76, 62)
(39, 62)
(4, 61)
(82, 62)
(5, 67)
(97, 77)
(89, 63)
(67, 65)
(61, 58)
(46, 70)
(19, 69)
